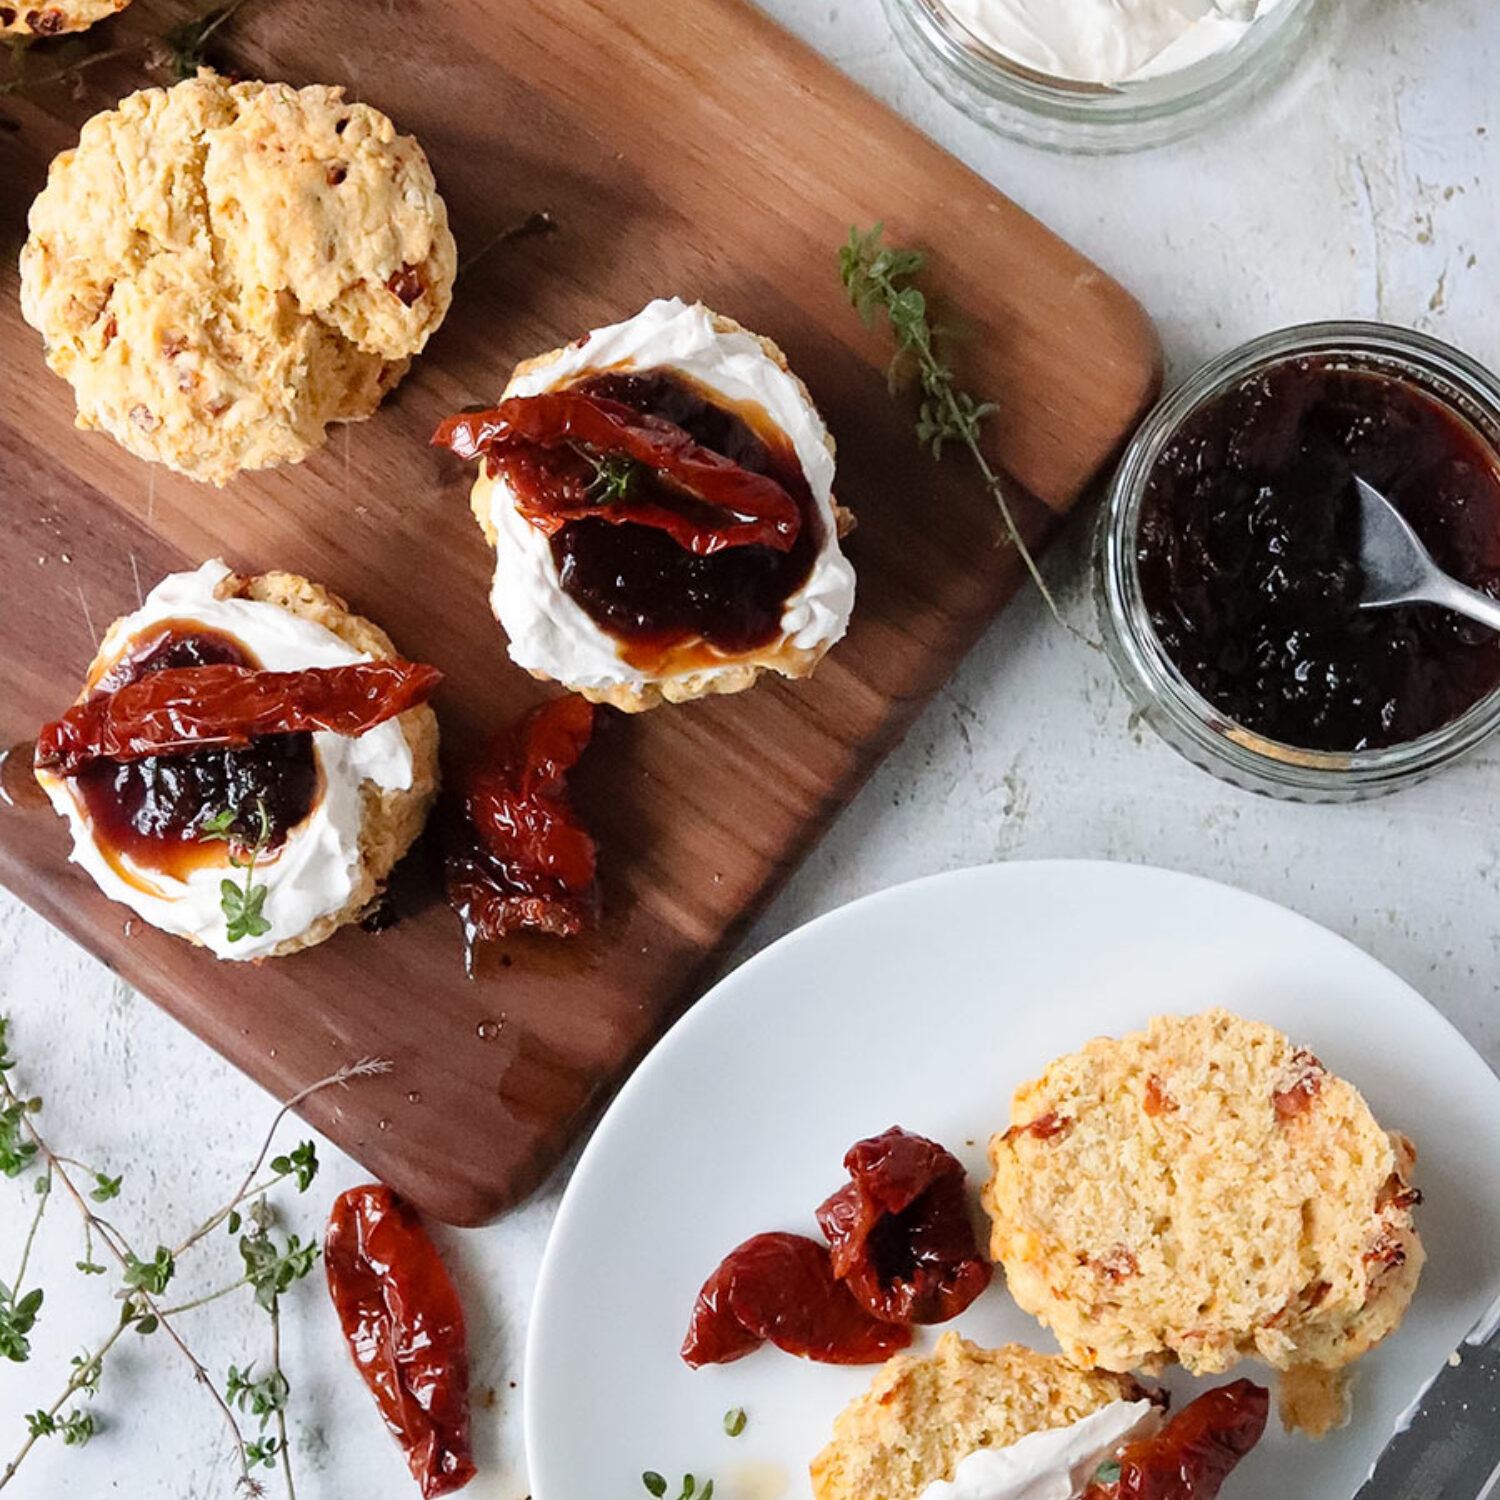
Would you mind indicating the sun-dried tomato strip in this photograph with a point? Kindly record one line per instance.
(405, 1328)
(182, 709)
(1192, 1456)
(520, 858)
(727, 505)
(781, 1288)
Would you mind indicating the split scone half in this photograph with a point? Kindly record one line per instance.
(222, 269)
(1201, 1192)
(326, 815)
(613, 575)
(946, 1418)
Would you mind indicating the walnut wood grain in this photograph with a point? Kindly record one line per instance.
(680, 146)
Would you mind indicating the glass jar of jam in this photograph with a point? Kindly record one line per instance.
(1228, 562)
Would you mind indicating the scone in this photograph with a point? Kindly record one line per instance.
(924, 1415)
(1200, 1192)
(325, 814)
(659, 496)
(56, 17)
(222, 269)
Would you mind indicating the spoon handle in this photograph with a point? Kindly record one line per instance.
(1464, 601)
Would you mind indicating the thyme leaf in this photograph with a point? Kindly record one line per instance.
(243, 902)
(614, 476)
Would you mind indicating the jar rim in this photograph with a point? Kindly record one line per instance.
(1185, 718)
(1072, 115)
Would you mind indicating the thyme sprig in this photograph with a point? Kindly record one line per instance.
(243, 902)
(614, 476)
(273, 1263)
(185, 45)
(878, 278)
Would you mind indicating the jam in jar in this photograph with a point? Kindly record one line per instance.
(1247, 551)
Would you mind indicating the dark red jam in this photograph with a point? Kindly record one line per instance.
(1248, 555)
(654, 596)
(154, 809)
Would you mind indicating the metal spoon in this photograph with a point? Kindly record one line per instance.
(1398, 569)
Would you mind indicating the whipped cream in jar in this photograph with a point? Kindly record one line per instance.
(1099, 75)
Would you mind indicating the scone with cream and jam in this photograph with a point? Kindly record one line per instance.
(222, 269)
(247, 762)
(659, 496)
(965, 1423)
(1201, 1192)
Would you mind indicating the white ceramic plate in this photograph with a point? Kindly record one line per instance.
(925, 1006)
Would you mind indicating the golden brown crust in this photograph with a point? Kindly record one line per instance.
(1203, 1191)
(221, 270)
(924, 1413)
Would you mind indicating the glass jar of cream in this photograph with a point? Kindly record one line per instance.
(1098, 75)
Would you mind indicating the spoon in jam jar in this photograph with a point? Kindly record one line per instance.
(1398, 569)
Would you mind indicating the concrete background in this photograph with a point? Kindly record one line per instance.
(1365, 186)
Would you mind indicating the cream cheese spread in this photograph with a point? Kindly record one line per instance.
(552, 634)
(313, 873)
(1058, 1463)
(1109, 41)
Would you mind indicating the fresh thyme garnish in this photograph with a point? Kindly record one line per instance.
(273, 1264)
(185, 44)
(243, 904)
(734, 1421)
(878, 279)
(656, 1486)
(614, 476)
(264, 1398)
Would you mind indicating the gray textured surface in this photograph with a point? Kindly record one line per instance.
(1364, 187)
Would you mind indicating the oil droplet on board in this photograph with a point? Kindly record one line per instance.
(383, 1124)
(415, 1097)
(489, 1030)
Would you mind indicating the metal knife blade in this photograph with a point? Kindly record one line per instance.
(1448, 1447)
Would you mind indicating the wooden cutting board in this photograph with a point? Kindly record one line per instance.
(679, 146)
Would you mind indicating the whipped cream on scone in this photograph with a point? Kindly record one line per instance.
(1052, 1463)
(967, 1423)
(551, 634)
(322, 864)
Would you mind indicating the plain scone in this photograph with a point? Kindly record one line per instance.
(390, 820)
(1201, 1192)
(222, 269)
(925, 1413)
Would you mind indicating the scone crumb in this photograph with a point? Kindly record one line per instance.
(1312, 1400)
